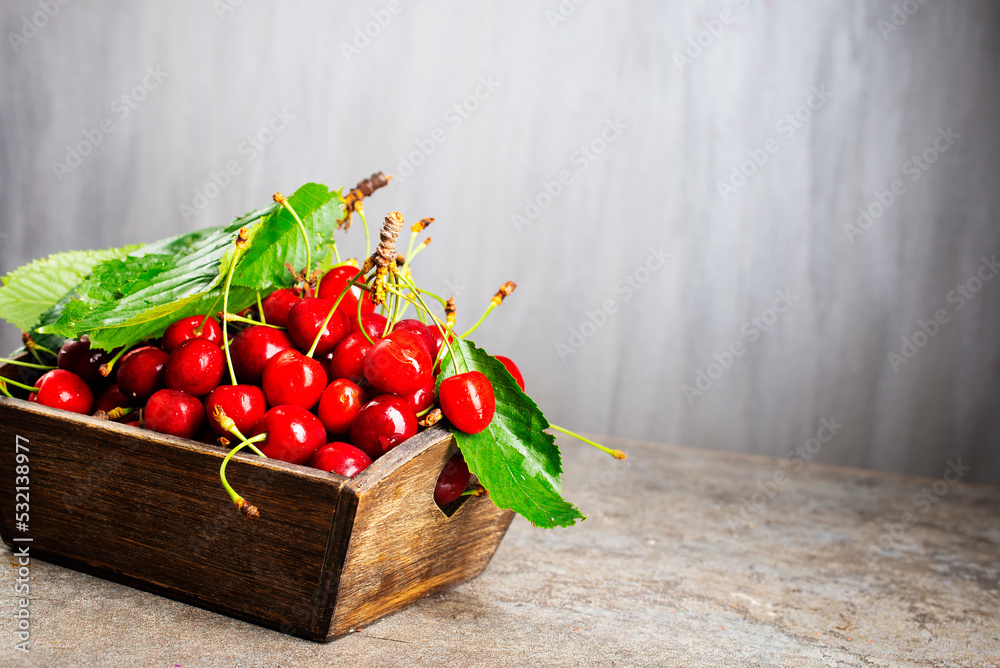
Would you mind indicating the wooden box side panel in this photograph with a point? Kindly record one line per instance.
(150, 509)
(403, 547)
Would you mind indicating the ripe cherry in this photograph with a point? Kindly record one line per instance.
(186, 329)
(253, 348)
(140, 373)
(342, 458)
(398, 364)
(421, 398)
(347, 359)
(245, 404)
(110, 399)
(383, 423)
(277, 305)
(174, 412)
(305, 319)
(76, 356)
(467, 400)
(293, 379)
(339, 406)
(293, 434)
(334, 282)
(512, 370)
(374, 325)
(196, 367)
(453, 480)
(421, 330)
(63, 389)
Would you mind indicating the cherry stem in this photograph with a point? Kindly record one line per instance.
(6, 392)
(8, 360)
(211, 310)
(238, 500)
(232, 317)
(105, 369)
(34, 347)
(326, 320)
(5, 381)
(260, 310)
(437, 321)
(480, 321)
(368, 236)
(617, 454)
(225, 298)
(280, 199)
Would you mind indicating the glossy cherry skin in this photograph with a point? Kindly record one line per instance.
(253, 348)
(374, 324)
(512, 370)
(293, 379)
(196, 367)
(421, 398)
(174, 412)
(347, 359)
(421, 330)
(189, 328)
(383, 423)
(438, 342)
(398, 364)
(342, 458)
(305, 319)
(334, 282)
(293, 434)
(140, 373)
(277, 305)
(454, 479)
(76, 356)
(63, 389)
(339, 406)
(112, 398)
(245, 404)
(467, 400)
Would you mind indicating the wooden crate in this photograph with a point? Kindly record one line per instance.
(327, 555)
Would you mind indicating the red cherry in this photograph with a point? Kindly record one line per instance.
(467, 401)
(374, 324)
(398, 364)
(77, 357)
(334, 282)
(421, 330)
(339, 406)
(111, 399)
(186, 329)
(421, 398)
(140, 373)
(196, 367)
(305, 319)
(342, 458)
(245, 404)
(174, 412)
(293, 379)
(277, 305)
(512, 370)
(347, 359)
(293, 434)
(453, 480)
(253, 348)
(63, 389)
(383, 423)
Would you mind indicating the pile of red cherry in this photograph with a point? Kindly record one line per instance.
(355, 399)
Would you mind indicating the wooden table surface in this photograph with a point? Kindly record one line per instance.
(689, 558)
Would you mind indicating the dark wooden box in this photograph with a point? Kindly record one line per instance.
(327, 555)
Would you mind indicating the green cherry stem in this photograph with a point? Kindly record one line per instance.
(5, 381)
(260, 309)
(326, 320)
(241, 243)
(280, 199)
(105, 369)
(437, 321)
(478, 322)
(4, 390)
(7, 360)
(617, 454)
(368, 236)
(232, 317)
(241, 503)
(211, 310)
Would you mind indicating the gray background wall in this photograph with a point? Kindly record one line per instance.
(682, 129)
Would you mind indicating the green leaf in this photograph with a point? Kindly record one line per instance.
(278, 242)
(514, 458)
(35, 288)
